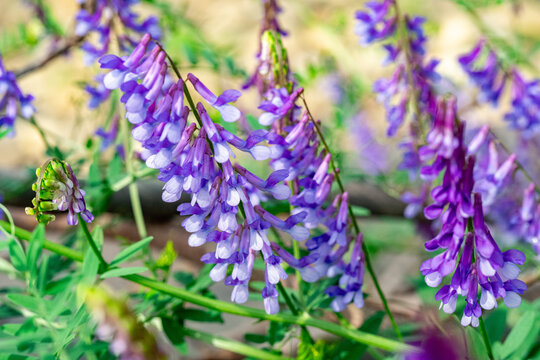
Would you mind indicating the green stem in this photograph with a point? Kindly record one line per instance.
(53, 151)
(294, 310)
(231, 345)
(367, 256)
(134, 196)
(91, 242)
(127, 180)
(485, 337)
(230, 308)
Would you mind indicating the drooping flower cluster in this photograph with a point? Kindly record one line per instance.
(414, 77)
(195, 157)
(464, 234)
(57, 189)
(486, 72)
(295, 146)
(13, 102)
(129, 338)
(102, 17)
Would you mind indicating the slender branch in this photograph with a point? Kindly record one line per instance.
(185, 295)
(70, 42)
(52, 150)
(231, 345)
(294, 310)
(91, 242)
(134, 196)
(367, 256)
(131, 178)
(485, 337)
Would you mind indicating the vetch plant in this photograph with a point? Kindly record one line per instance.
(260, 184)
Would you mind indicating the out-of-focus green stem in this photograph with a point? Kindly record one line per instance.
(127, 180)
(134, 193)
(231, 345)
(485, 337)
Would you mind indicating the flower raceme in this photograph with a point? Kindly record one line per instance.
(195, 157)
(464, 235)
(486, 72)
(57, 189)
(296, 147)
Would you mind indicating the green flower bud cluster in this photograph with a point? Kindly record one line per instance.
(57, 189)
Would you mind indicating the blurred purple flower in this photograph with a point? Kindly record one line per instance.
(13, 102)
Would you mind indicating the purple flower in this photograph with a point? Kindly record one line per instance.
(98, 17)
(463, 230)
(523, 114)
(374, 24)
(196, 158)
(350, 282)
(98, 93)
(13, 102)
(484, 74)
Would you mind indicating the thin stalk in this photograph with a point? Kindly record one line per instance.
(127, 180)
(134, 197)
(484, 334)
(294, 310)
(50, 149)
(231, 345)
(91, 242)
(230, 308)
(367, 256)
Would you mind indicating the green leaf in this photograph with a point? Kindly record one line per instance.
(115, 170)
(26, 302)
(173, 330)
(477, 347)
(256, 338)
(43, 272)
(17, 256)
(184, 277)
(276, 332)
(97, 234)
(58, 286)
(521, 335)
(495, 324)
(34, 250)
(123, 272)
(131, 250)
(90, 268)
